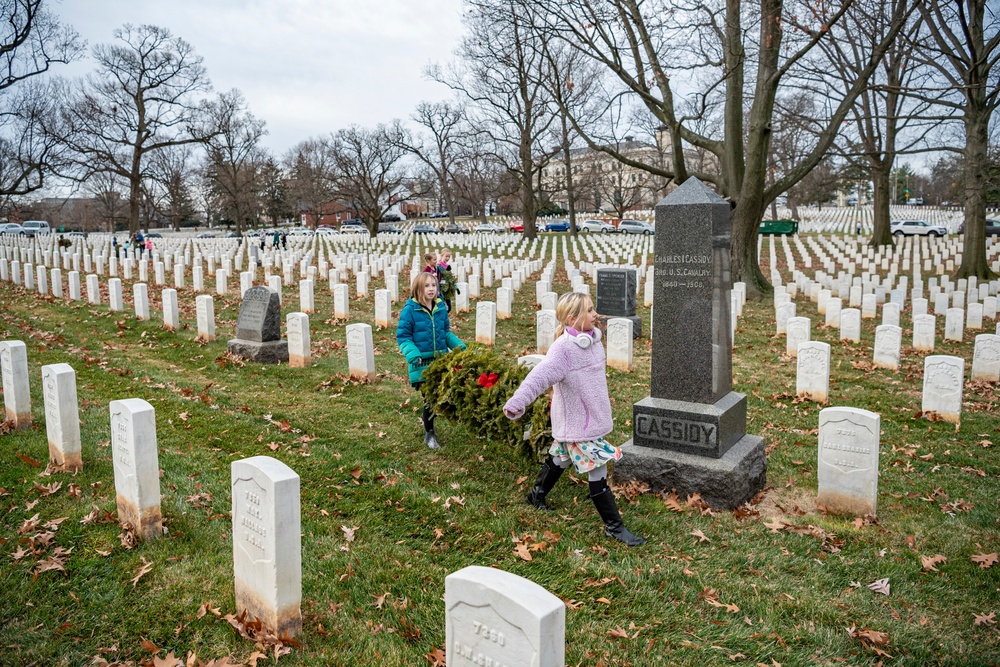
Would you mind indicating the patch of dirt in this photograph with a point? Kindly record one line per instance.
(787, 502)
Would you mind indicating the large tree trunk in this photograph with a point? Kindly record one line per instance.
(745, 219)
(570, 187)
(882, 234)
(976, 162)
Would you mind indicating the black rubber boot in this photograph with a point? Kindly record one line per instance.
(606, 506)
(430, 438)
(547, 478)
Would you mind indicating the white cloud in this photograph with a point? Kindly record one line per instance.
(307, 67)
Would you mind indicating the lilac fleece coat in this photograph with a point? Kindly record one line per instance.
(581, 409)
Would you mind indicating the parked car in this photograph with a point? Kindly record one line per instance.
(352, 221)
(35, 227)
(75, 234)
(916, 201)
(205, 235)
(635, 227)
(232, 235)
(917, 228)
(488, 228)
(517, 226)
(387, 228)
(596, 226)
(426, 229)
(154, 235)
(455, 228)
(557, 226)
(992, 227)
(393, 217)
(439, 214)
(301, 231)
(326, 230)
(11, 228)
(353, 229)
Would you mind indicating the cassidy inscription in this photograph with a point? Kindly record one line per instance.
(676, 431)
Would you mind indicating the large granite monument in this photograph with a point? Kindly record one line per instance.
(258, 328)
(689, 434)
(616, 289)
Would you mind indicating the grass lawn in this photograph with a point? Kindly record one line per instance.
(777, 582)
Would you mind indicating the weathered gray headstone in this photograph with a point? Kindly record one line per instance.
(267, 543)
(497, 618)
(848, 460)
(616, 290)
(690, 433)
(62, 416)
(136, 465)
(258, 328)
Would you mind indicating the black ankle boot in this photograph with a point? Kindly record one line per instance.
(430, 439)
(547, 478)
(613, 526)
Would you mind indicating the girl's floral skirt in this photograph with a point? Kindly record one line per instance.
(587, 455)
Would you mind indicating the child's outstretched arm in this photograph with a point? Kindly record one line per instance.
(551, 370)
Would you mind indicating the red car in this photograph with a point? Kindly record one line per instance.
(517, 226)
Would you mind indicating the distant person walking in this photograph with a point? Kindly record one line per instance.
(446, 279)
(276, 240)
(140, 243)
(581, 411)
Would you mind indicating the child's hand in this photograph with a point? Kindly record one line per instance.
(511, 414)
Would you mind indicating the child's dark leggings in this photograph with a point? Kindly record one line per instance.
(427, 416)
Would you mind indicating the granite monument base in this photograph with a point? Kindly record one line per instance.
(704, 429)
(602, 323)
(268, 352)
(724, 483)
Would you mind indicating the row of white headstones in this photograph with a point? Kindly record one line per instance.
(490, 613)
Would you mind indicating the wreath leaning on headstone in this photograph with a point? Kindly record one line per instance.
(471, 387)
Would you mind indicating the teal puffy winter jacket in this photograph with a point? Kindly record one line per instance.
(423, 335)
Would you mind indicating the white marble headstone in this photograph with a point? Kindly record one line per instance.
(944, 379)
(299, 344)
(797, 331)
(619, 344)
(136, 465)
(171, 320)
(267, 543)
(924, 332)
(888, 343)
(341, 307)
(954, 324)
(360, 351)
(496, 618)
(545, 329)
(812, 377)
(62, 416)
(848, 460)
(486, 323)
(16, 392)
(986, 358)
(850, 325)
(205, 308)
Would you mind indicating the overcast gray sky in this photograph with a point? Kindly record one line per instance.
(307, 67)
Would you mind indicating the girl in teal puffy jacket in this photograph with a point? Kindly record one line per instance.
(424, 333)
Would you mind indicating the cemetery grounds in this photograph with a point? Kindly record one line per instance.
(384, 520)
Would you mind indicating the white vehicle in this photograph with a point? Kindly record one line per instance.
(596, 226)
(917, 228)
(11, 228)
(635, 227)
(33, 227)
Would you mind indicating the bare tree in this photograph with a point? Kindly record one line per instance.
(479, 175)
(172, 173)
(499, 71)
(235, 158)
(310, 173)
(146, 95)
(963, 45)
(734, 55)
(274, 195)
(438, 152)
(110, 193)
(32, 40)
(368, 172)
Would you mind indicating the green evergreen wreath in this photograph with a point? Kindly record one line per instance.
(471, 387)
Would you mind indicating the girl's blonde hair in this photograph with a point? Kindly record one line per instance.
(417, 286)
(570, 308)
(429, 257)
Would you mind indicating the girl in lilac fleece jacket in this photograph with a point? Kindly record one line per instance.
(581, 411)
